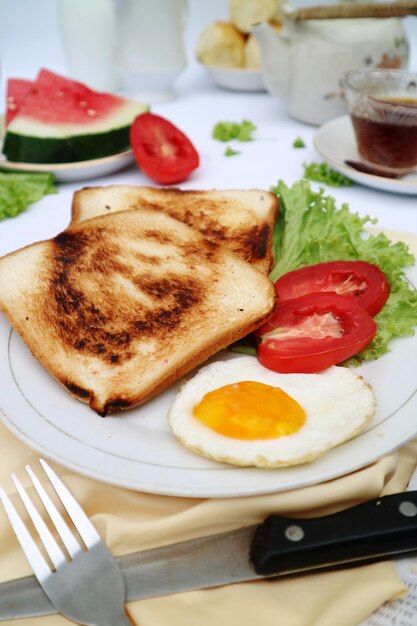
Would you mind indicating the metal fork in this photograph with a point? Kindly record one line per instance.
(88, 588)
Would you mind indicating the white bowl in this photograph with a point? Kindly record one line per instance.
(237, 79)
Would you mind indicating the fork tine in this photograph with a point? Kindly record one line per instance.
(54, 551)
(86, 529)
(64, 532)
(29, 547)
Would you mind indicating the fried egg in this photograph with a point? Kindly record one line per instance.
(237, 411)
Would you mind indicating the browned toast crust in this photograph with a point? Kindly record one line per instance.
(119, 307)
(249, 235)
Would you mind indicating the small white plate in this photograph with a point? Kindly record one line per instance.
(137, 450)
(67, 172)
(335, 142)
(80, 170)
(237, 79)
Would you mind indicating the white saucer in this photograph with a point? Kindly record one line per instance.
(80, 170)
(237, 79)
(335, 142)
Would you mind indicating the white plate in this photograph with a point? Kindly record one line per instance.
(237, 79)
(67, 172)
(81, 170)
(335, 142)
(136, 449)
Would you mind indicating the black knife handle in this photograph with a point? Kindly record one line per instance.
(373, 531)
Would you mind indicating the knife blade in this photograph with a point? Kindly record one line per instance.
(377, 530)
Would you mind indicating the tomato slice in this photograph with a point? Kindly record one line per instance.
(364, 281)
(161, 150)
(313, 332)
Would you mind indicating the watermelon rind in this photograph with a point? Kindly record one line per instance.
(27, 141)
(26, 149)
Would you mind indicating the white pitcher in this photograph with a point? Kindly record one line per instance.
(132, 46)
(149, 51)
(88, 35)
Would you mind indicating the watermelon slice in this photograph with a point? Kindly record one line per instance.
(62, 121)
(16, 92)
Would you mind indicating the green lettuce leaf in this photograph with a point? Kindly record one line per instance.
(311, 229)
(298, 143)
(246, 345)
(226, 131)
(322, 173)
(230, 152)
(20, 189)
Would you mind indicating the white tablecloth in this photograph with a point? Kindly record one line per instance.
(30, 39)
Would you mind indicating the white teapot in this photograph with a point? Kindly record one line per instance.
(304, 62)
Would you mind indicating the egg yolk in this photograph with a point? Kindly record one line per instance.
(250, 410)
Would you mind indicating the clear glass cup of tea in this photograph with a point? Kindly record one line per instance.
(382, 104)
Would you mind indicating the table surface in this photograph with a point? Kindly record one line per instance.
(29, 39)
(198, 106)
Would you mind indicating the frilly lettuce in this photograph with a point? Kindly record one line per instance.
(310, 229)
(19, 189)
(322, 173)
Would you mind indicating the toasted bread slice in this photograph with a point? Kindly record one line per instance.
(242, 220)
(119, 307)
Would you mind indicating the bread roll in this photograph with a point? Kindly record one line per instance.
(245, 13)
(252, 53)
(221, 44)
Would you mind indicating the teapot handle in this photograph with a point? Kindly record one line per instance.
(353, 9)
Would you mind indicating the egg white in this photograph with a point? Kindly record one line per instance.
(338, 404)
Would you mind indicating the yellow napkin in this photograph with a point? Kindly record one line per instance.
(129, 521)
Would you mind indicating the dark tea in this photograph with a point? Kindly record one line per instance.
(386, 131)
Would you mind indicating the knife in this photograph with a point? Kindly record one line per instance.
(377, 530)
